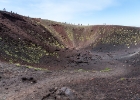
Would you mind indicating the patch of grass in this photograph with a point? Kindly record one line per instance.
(18, 64)
(80, 70)
(94, 71)
(37, 69)
(31, 67)
(11, 61)
(122, 78)
(106, 70)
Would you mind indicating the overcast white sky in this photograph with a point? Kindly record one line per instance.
(93, 12)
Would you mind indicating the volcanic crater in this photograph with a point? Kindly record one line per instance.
(48, 60)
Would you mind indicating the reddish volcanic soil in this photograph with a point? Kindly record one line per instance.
(47, 60)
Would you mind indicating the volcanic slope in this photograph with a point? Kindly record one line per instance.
(74, 62)
(24, 39)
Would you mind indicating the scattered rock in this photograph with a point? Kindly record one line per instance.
(31, 80)
(24, 79)
(100, 96)
(57, 50)
(78, 62)
(63, 93)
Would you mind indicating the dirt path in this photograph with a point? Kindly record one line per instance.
(76, 82)
(15, 88)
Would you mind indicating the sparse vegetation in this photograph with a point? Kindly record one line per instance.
(122, 78)
(106, 70)
(37, 69)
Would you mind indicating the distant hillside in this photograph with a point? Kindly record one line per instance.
(27, 40)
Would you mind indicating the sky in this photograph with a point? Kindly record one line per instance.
(92, 12)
